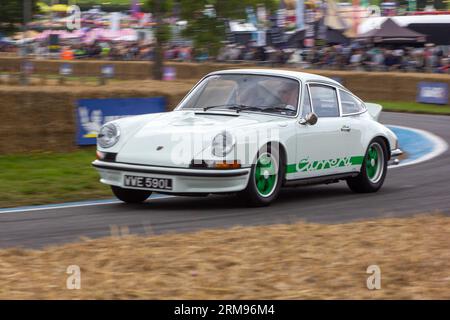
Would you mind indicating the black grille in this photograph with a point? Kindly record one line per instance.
(109, 156)
(198, 165)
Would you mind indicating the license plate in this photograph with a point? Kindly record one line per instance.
(147, 182)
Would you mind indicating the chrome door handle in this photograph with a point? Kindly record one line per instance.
(346, 128)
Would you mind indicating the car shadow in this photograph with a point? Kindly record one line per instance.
(301, 195)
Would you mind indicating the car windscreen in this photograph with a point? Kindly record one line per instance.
(246, 92)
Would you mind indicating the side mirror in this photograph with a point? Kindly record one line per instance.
(311, 119)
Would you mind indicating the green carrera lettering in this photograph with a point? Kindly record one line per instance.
(306, 165)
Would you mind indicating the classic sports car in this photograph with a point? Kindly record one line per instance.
(249, 132)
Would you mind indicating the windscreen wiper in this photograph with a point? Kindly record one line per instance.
(233, 106)
(241, 107)
(281, 109)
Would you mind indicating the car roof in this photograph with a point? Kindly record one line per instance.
(302, 76)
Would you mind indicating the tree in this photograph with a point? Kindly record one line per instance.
(159, 9)
(208, 31)
(12, 14)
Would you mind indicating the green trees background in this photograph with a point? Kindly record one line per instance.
(207, 31)
(12, 15)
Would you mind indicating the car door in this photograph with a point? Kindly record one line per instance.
(322, 147)
(352, 109)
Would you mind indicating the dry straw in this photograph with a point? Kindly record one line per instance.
(295, 261)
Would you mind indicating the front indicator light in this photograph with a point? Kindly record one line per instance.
(227, 165)
(100, 155)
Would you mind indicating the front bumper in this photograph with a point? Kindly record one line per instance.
(184, 180)
(394, 156)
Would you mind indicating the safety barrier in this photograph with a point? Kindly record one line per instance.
(392, 86)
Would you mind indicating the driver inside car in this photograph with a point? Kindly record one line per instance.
(288, 95)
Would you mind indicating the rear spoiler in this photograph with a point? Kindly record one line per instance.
(374, 110)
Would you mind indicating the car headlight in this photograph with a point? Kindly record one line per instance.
(222, 144)
(108, 136)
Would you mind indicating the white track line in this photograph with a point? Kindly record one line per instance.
(439, 147)
(70, 205)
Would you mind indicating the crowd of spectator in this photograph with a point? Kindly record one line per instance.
(106, 50)
(98, 50)
(427, 58)
(7, 47)
(422, 59)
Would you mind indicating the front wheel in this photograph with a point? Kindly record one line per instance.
(130, 195)
(373, 169)
(266, 178)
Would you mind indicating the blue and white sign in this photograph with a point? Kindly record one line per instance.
(169, 73)
(432, 92)
(108, 71)
(261, 38)
(27, 67)
(300, 14)
(65, 69)
(93, 113)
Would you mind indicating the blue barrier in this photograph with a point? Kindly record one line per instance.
(93, 113)
(432, 92)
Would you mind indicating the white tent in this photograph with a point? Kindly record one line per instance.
(404, 21)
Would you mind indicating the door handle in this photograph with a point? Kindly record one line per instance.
(346, 128)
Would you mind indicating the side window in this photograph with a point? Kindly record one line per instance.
(349, 103)
(306, 103)
(324, 100)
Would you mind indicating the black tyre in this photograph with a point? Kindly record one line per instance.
(266, 178)
(373, 169)
(130, 195)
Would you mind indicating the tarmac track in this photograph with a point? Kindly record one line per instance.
(408, 190)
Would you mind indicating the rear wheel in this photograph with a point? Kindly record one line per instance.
(266, 178)
(130, 195)
(373, 169)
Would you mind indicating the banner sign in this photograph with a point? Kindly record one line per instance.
(261, 14)
(27, 67)
(281, 18)
(169, 73)
(93, 113)
(412, 5)
(114, 22)
(300, 14)
(310, 18)
(108, 70)
(432, 92)
(261, 38)
(322, 32)
(65, 69)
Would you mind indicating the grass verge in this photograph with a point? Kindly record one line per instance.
(414, 107)
(41, 178)
(297, 261)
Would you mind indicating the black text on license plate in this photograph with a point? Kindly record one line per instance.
(147, 182)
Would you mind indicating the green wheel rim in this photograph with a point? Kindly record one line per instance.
(374, 163)
(266, 174)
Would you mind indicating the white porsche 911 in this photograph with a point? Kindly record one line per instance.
(248, 132)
